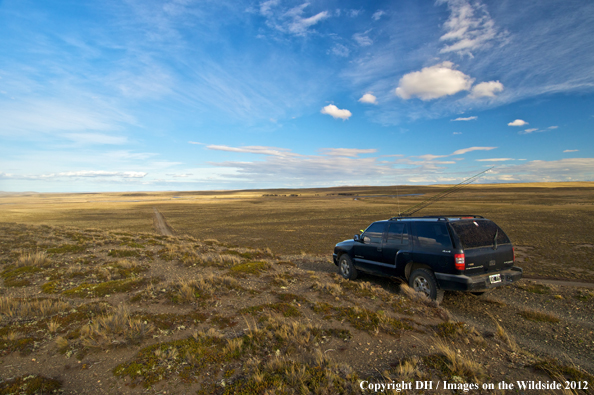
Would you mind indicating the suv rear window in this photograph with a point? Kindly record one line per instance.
(475, 234)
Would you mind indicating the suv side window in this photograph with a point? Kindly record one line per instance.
(374, 232)
(398, 234)
(433, 235)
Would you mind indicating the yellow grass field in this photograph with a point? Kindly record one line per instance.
(552, 224)
(244, 299)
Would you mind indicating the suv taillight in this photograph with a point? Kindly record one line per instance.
(460, 263)
(514, 252)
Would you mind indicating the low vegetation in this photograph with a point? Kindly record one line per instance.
(131, 311)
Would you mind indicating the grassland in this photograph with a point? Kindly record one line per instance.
(244, 299)
(551, 223)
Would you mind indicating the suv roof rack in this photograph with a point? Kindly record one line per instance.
(440, 217)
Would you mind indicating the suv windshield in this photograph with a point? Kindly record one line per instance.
(483, 233)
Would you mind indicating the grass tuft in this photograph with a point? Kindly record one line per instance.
(539, 316)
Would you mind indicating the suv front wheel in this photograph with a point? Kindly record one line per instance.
(423, 280)
(347, 270)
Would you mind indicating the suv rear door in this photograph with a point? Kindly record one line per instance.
(396, 248)
(486, 247)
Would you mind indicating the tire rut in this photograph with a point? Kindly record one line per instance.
(160, 224)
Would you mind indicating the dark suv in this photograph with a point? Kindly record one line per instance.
(434, 253)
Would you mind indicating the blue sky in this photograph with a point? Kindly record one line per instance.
(196, 95)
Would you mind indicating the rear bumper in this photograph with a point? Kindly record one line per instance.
(335, 258)
(453, 282)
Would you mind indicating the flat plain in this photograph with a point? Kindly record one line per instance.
(243, 298)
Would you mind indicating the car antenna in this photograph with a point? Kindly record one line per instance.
(439, 196)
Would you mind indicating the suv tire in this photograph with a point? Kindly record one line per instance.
(346, 267)
(423, 280)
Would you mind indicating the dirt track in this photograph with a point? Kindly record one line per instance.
(161, 225)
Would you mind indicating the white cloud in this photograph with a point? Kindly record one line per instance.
(571, 150)
(362, 39)
(350, 152)
(570, 169)
(61, 117)
(335, 112)
(292, 20)
(473, 118)
(465, 150)
(368, 98)
(518, 122)
(377, 15)
(266, 7)
(75, 174)
(334, 166)
(486, 89)
(433, 82)
(430, 157)
(527, 131)
(254, 149)
(468, 28)
(457, 132)
(495, 160)
(340, 50)
(553, 127)
(195, 142)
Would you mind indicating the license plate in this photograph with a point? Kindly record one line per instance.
(495, 278)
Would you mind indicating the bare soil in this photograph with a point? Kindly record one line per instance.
(161, 225)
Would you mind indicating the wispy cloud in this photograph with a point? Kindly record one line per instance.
(75, 174)
(292, 20)
(574, 169)
(570, 150)
(363, 39)
(470, 149)
(377, 15)
(71, 119)
(469, 27)
(528, 131)
(494, 160)
(334, 166)
(473, 118)
(350, 152)
(273, 151)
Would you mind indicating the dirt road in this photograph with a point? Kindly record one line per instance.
(160, 224)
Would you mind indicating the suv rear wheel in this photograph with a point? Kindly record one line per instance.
(347, 270)
(423, 280)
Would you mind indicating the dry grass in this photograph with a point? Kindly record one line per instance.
(37, 259)
(202, 287)
(53, 326)
(28, 308)
(539, 316)
(116, 329)
(458, 363)
(329, 288)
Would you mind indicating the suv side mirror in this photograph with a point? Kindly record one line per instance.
(356, 238)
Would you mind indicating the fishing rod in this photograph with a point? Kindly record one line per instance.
(441, 195)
